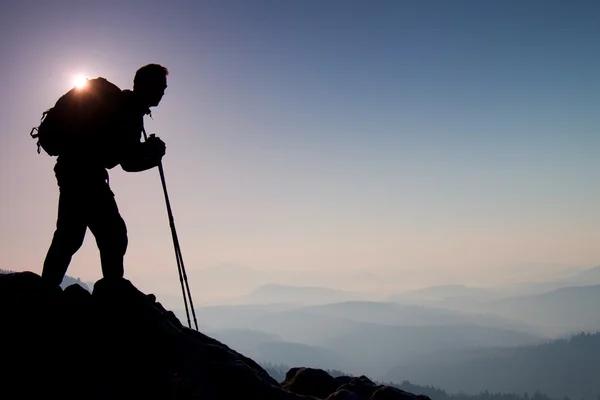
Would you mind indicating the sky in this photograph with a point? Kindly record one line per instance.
(456, 139)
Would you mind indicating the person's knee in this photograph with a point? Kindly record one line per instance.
(68, 241)
(121, 239)
(113, 240)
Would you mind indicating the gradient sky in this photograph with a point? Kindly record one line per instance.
(457, 138)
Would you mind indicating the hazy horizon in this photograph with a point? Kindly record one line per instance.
(446, 143)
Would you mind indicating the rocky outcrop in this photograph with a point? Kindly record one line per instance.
(119, 343)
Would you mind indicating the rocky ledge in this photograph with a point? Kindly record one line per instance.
(119, 343)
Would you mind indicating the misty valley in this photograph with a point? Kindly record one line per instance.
(524, 338)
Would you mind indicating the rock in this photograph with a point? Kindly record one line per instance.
(362, 386)
(116, 342)
(342, 380)
(344, 394)
(392, 393)
(311, 382)
(119, 343)
(291, 373)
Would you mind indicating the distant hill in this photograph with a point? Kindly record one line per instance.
(589, 276)
(238, 284)
(550, 309)
(413, 315)
(377, 348)
(275, 293)
(68, 281)
(225, 317)
(263, 346)
(565, 367)
(457, 295)
(575, 277)
(351, 329)
(440, 293)
(244, 339)
(302, 327)
(301, 354)
(560, 311)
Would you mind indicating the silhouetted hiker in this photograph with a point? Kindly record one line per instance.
(85, 199)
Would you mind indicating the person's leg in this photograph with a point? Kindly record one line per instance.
(110, 232)
(68, 237)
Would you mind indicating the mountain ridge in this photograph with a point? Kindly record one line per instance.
(136, 349)
(561, 367)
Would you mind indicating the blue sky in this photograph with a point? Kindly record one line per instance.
(435, 135)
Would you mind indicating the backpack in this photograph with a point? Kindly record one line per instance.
(77, 117)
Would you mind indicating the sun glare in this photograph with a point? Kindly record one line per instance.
(80, 81)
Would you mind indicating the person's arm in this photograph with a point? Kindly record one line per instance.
(143, 156)
(137, 159)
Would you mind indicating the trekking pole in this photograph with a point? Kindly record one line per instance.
(178, 255)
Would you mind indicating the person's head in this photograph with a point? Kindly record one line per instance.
(149, 83)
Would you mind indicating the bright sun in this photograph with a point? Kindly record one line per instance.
(79, 81)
